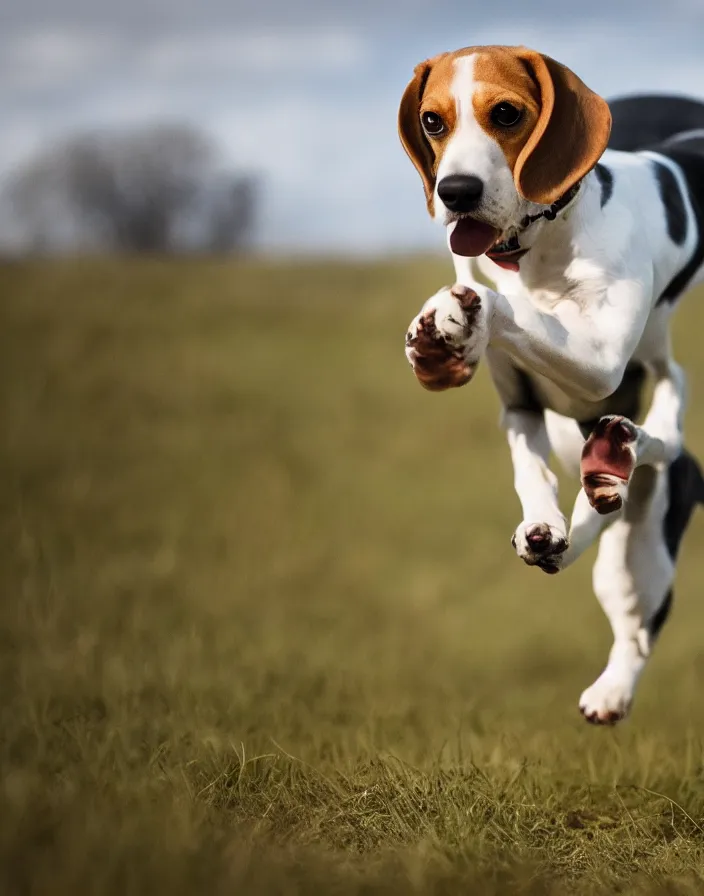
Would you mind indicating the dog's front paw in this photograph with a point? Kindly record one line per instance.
(608, 461)
(445, 342)
(608, 700)
(539, 544)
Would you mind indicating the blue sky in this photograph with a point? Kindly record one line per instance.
(306, 94)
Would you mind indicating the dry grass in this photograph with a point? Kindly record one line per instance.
(262, 630)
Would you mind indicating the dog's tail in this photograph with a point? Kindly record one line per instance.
(686, 486)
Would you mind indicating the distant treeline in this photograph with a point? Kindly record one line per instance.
(153, 189)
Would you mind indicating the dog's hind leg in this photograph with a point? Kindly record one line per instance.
(633, 578)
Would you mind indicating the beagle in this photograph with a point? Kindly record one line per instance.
(570, 253)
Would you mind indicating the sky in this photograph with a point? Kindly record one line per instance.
(306, 94)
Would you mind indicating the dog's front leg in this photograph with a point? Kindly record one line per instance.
(541, 538)
(444, 345)
(583, 346)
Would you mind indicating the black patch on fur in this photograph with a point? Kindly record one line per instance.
(626, 400)
(643, 120)
(675, 212)
(691, 164)
(526, 398)
(606, 182)
(660, 617)
(686, 490)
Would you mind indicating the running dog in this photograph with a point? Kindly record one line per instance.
(575, 226)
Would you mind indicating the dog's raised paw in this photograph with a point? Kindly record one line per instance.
(540, 544)
(436, 362)
(607, 701)
(608, 461)
(445, 341)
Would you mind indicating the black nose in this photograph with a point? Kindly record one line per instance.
(461, 192)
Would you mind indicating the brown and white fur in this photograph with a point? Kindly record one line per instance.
(576, 315)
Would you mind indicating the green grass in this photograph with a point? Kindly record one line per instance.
(261, 626)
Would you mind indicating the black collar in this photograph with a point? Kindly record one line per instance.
(551, 213)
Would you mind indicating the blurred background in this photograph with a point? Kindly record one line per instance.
(261, 626)
(223, 125)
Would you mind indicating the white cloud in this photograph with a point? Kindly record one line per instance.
(52, 56)
(255, 51)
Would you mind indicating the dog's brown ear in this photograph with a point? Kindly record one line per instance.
(409, 128)
(569, 137)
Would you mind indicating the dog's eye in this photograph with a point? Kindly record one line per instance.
(433, 125)
(505, 115)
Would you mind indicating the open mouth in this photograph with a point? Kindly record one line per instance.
(472, 238)
(506, 253)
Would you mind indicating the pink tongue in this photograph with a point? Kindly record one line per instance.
(472, 237)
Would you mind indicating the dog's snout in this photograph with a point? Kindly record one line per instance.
(461, 192)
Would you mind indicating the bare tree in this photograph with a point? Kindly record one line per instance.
(139, 190)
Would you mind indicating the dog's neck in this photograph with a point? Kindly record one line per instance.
(548, 240)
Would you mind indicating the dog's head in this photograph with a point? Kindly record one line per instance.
(492, 130)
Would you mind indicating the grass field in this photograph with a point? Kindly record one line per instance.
(262, 629)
